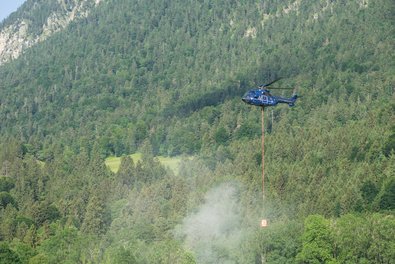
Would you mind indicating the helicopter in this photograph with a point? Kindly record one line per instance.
(262, 96)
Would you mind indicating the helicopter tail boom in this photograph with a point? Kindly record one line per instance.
(293, 100)
(290, 101)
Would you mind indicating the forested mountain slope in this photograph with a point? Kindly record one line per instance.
(166, 78)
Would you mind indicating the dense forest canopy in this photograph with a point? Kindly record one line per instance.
(165, 78)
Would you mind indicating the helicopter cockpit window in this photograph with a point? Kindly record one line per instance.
(249, 95)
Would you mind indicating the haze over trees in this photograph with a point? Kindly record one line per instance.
(165, 78)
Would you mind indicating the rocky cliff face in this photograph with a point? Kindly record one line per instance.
(16, 36)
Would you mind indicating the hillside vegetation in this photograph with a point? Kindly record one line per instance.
(165, 78)
(172, 163)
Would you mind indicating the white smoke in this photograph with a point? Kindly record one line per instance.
(214, 233)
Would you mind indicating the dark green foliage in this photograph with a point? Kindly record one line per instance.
(24, 251)
(6, 199)
(356, 238)
(369, 191)
(44, 213)
(7, 256)
(247, 130)
(352, 242)
(126, 172)
(317, 241)
(6, 184)
(281, 242)
(387, 199)
(97, 216)
(221, 136)
(25, 220)
(122, 256)
(389, 146)
(66, 246)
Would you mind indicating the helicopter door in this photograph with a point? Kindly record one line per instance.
(264, 98)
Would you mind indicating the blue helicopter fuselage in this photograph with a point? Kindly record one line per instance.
(262, 97)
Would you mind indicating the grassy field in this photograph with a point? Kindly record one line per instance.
(172, 163)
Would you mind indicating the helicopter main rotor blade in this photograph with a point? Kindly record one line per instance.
(282, 88)
(265, 85)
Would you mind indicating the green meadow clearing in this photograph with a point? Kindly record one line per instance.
(172, 163)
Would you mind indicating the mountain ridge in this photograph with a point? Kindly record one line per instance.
(16, 35)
